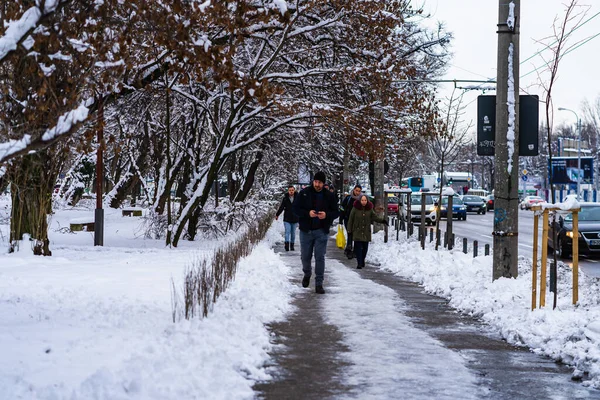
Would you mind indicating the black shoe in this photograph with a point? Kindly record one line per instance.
(359, 266)
(305, 281)
(351, 255)
(287, 246)
(319, 289)
(292, 247)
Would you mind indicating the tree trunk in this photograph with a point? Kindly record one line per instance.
(250, 176)
(32, 182)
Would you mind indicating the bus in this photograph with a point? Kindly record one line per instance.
(425, 183)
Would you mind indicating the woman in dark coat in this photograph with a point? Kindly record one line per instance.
(290, 220)
(359, 224)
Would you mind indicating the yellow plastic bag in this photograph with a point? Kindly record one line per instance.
(340, 238)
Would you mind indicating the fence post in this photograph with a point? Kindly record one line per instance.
(475, 244)
(445, 239)
(465, 245)
(487, 249)
(451, 242)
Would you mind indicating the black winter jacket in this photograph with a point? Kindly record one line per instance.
(286, 209)
(305, 201)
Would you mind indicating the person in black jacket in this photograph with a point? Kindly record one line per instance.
(290, 220)
(317, 209)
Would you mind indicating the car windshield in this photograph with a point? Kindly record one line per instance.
(586, 214)
(416, 200)
(392, 200)
(472, 198)
(455, 201)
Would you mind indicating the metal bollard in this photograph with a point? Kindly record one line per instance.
(451, 242)
(465, 245)
(437, 237)
(487, 250)
(474, 248)
(445, 239)
(430, 235)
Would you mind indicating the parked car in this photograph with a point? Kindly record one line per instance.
(529, 201)
(392, 205)
(489, 201)
(415, 209)
(588, 227)
(459, 210)
(474, 203)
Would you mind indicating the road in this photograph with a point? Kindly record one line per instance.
(480, 227)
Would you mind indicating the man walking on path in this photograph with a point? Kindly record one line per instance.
(290, 220)
(316, 209)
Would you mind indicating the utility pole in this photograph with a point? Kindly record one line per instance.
(506, 224)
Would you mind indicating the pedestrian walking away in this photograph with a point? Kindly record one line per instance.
(317, 209)
(345, 209)
(359, 226)
(290, 220)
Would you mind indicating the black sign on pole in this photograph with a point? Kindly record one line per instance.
(528, 125)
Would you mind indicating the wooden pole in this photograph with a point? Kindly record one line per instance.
(534, 264)
(544, 260)
(575, 257)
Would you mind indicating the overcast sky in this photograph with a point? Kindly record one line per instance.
(473, 23)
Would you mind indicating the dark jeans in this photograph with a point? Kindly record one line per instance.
(349, 240)
(314, 241)
(361, 249)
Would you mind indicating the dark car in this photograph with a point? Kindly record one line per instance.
(474, 204)
(489, 202)
(458, 208)
(588, 227)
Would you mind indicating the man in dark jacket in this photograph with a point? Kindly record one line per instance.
(290, 220)
(317, 209)
(346, 208)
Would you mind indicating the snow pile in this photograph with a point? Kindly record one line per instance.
(96, 322)
(569, 333)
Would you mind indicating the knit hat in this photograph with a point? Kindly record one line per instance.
(319, 176)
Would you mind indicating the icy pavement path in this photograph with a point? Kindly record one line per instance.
(389, 357)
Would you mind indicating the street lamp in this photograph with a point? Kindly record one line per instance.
(578, 149)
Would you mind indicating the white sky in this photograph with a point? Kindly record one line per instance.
(473, 23)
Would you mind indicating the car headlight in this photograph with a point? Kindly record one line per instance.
(462, 208)
(443, 208)
(570, 234)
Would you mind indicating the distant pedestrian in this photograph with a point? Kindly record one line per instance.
(359, 226)
(345, 209)
(317, 209)
(290, 220)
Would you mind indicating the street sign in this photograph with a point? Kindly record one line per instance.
(524, 177)
(528, 125)
(524, 172)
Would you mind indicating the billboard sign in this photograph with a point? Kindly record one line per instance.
(564, 170)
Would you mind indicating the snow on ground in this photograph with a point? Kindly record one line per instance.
(96, 322)
(570, 334)
(388, 355)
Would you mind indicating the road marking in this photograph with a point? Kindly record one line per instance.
(526, 245)
(590, 260)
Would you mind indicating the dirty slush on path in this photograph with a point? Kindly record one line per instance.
(311, 359)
